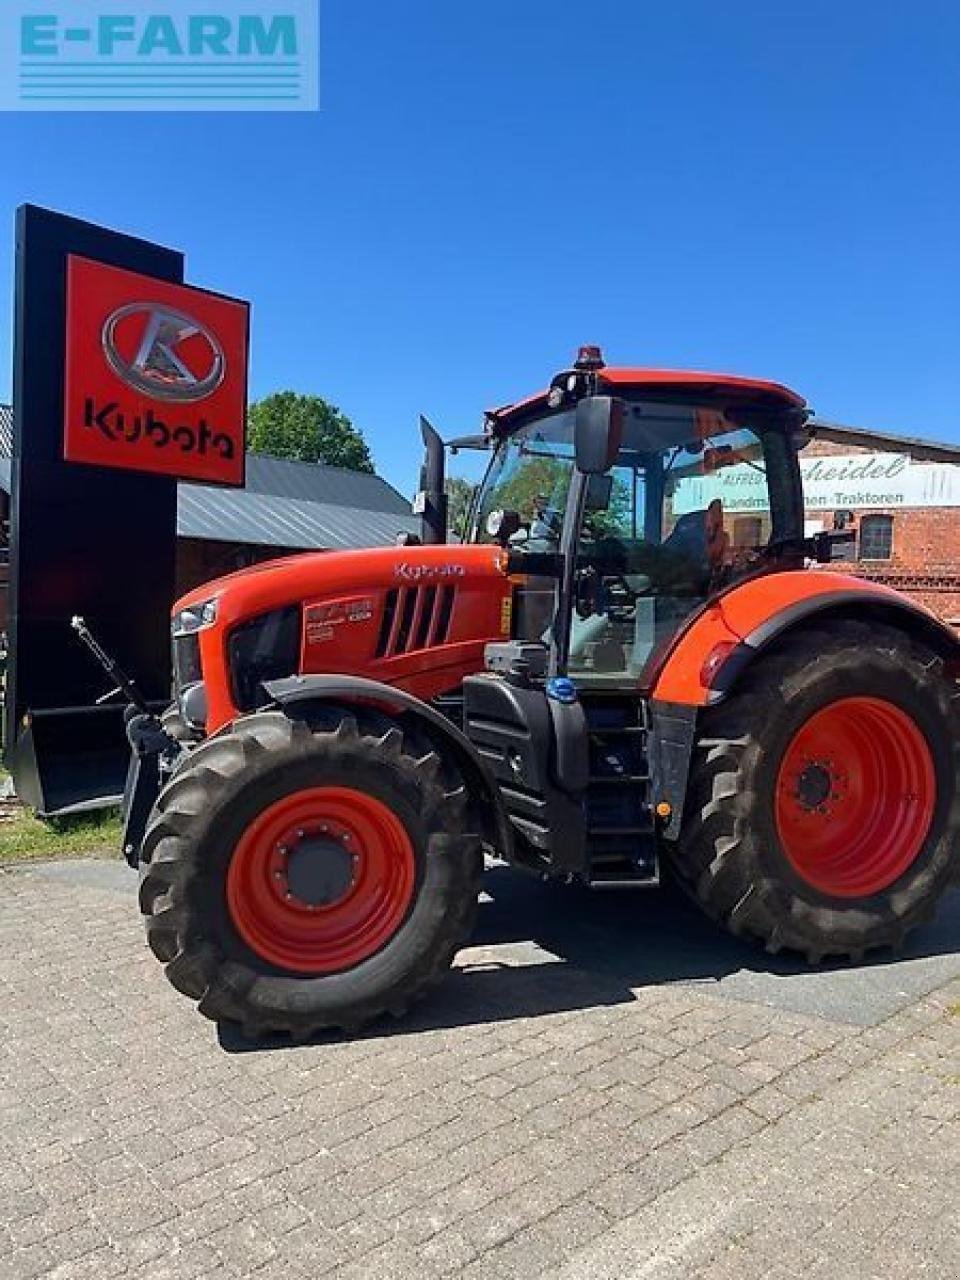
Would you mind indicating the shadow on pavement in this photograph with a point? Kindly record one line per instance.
(542, 948)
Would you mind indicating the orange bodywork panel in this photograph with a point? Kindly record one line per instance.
(415, 617)
(699, 651)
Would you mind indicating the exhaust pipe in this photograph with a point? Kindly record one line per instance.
(430, 503)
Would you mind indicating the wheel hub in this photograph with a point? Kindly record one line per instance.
(814, 785)
(320, 871)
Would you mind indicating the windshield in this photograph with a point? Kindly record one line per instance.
(679, 465)
(530, 474)
(696, 497)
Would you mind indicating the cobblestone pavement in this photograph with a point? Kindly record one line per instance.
(604, 1088)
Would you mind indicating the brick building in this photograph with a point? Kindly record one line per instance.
(899, 499)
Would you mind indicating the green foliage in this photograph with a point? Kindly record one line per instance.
(616, 519)
(459, 497)
(539, 483)
(306, 429)
(24, 837)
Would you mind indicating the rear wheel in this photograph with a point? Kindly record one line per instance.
(823, 812)
(296, 876)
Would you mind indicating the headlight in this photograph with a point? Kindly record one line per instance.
(195, 618)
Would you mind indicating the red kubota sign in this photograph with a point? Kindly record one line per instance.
(156, 376)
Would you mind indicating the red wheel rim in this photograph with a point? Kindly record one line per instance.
(321, 880)
(855, 797)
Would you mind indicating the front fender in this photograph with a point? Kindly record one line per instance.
(709, 656)
(296, 693)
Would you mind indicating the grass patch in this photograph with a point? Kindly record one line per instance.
(25, 837)
(954, 1009)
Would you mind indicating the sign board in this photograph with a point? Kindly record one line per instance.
(856, 481)
(94, 506)
(156, 375)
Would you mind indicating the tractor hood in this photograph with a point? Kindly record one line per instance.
(289, 579)
(415, 617)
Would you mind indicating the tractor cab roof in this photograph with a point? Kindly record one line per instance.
(719, 388)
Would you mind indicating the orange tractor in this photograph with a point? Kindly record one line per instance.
(630, 664)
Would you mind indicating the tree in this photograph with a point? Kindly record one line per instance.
(459, 497)
(306, 429)
(539, 484)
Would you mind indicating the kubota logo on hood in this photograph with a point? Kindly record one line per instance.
(423, 572)
(163, 353)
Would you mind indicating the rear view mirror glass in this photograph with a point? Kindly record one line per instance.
(599, 432)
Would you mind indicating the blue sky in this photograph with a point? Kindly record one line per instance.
(759, 186)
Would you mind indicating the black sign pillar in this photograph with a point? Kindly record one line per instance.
(84, 540)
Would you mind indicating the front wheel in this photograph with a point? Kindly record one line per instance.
(823, 813)
(296, 877)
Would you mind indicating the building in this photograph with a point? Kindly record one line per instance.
(285, 507)
(899, 500)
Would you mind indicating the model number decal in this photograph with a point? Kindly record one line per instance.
(322, 620)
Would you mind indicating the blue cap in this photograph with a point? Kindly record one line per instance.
(561, 689)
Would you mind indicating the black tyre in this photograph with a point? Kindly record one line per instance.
(823, 811)
(296, 877)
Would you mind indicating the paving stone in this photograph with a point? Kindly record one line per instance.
(672, 1132)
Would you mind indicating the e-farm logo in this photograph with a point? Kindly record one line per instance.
(160, 55)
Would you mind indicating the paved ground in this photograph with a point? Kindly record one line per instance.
(604, 1088)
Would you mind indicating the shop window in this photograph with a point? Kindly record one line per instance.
(876, 538)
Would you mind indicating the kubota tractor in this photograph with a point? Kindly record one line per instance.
(630, 664)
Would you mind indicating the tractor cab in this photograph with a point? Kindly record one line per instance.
(629, 503)
(625, 513)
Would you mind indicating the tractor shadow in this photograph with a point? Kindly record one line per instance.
(541, 949)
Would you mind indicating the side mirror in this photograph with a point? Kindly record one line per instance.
(598, 433)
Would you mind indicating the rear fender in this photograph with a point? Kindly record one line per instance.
(296, 694)
(710, 657)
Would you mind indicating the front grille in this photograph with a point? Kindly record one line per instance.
(414, 618)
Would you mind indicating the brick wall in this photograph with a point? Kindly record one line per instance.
(925, 560)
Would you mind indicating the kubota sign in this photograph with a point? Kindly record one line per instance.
(156, 375)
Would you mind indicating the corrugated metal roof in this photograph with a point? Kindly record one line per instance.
(232, 515)
(313, 483)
